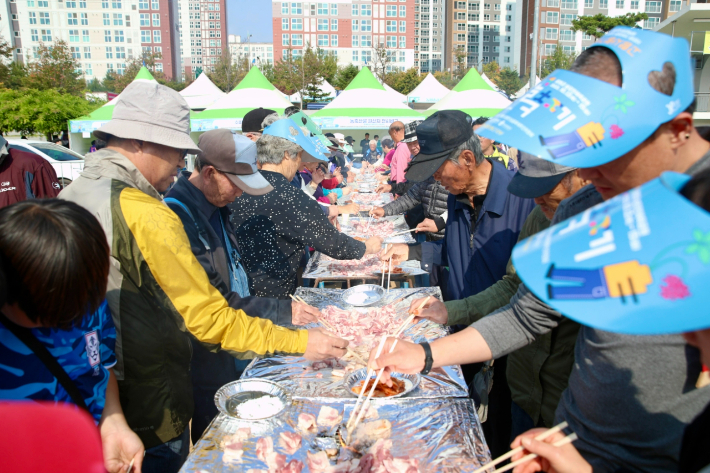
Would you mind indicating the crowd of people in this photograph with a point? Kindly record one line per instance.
(140, 289)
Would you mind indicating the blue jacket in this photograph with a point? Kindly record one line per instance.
(476, 261)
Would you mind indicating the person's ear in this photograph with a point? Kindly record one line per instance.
(680, 129)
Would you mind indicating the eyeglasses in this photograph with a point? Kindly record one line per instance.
(396, 128)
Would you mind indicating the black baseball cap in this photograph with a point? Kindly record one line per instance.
(251, 123)
(536, 177)
(438, 135)
(349, 139)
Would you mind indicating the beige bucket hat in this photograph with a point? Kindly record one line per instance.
(151, 112)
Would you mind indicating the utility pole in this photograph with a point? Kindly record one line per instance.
(248, 51)
(535, 41)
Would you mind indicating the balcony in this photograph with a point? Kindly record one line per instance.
(702, 102)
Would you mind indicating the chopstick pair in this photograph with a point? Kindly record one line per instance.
(330, 327)
(401, 233)
(542, 436)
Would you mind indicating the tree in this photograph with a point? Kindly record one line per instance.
(558, 60)
(55, 68)
(267, 69)
(446, 79)
(227, 72)
(116, 82)
(404, 82)
(509, 81)
(491, 70)
(344, 76)
(95, 85)
(304, 74)
(599, 24)
(460, 62)
(380, 60)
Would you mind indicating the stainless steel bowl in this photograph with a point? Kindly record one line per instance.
(411, 381)
(229, 396)
(363, 295)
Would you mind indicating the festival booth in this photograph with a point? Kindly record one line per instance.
(201, 93)
(364, 106)
(324, 88)
(81, 129)
(427, 93)
(490, 82)
(473, 96)
(252, 92)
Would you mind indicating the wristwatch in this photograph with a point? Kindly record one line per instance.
(428, 360)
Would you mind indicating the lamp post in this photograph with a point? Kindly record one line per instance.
(249, 50)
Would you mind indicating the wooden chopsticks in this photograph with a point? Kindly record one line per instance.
(401, 233)
(563, 441)
(541, 436)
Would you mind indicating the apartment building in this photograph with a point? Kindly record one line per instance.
(203, 33)
(348, 29)
(486, 30)
(256, 53)
(556, 21)
(429, 37)
(102, 34)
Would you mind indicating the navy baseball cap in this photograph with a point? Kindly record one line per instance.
(536, 177)
(438, 136)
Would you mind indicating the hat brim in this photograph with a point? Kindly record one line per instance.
(422, 167)
(252, 184)
(132, 130)
(531, 187)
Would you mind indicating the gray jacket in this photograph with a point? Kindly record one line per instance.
(433, 198)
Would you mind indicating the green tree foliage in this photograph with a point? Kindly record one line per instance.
(95, 85)
(558, 60)
(404, 82)
(446, 79)
(55, 68)
(599, 24)
(267, 69)
(344, 76)
(32, 111)
(491, 70)
(509, 81)
(228, 72)
(305, 74)
(116, 82)
(459, 56)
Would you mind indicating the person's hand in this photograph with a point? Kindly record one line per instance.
(373, 245)
(322, 345)
(383, 188)
(377, 212)
(302, 314)
(551, 459)
(351, 177)
(427, 225)
(381, 177)
(120, 445)
(339, 178)
(335, 222)
(406, 358)
(347, 190)
(352, 208)
(333, 197)
(399, 252)
(433, 310)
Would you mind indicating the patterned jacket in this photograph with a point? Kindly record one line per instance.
(158, 292)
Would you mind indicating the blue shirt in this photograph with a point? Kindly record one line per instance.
(85, 351)
(477, 255)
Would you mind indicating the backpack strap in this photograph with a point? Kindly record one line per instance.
(200, 232)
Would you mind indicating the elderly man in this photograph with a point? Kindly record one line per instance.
(484, 219)
(275, 229)
(158, 292)
(643, 435)
(225, 167)
(489, 148)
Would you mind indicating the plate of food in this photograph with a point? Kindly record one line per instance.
(402, 384)
(395, 270)
(252, 399)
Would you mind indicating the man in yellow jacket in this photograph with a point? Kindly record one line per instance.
(157, 291)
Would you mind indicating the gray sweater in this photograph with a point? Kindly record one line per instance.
(629, 397)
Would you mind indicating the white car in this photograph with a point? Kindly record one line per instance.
(66, 163)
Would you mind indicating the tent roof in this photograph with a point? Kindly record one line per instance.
(366, 97)
(429, 90)
(472, 81)
(525, 88)
(472, 95)
(325, 88)
(489, 82)
(201, 93)
(254, 80)
(105, 112)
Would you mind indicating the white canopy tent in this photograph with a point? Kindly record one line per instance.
(524, 90)
(325, 88)
(429, 90)
(489, 82)
(201, 93)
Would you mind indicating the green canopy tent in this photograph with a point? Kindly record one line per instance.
(473, 96)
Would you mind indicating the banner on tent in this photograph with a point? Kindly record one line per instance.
(85, 126)
(213, 124)
(357, 122)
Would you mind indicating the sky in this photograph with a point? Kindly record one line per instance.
(250, 17)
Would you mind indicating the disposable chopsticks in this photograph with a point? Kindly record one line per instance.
(541, 436)
(401, 233)
(563, 441)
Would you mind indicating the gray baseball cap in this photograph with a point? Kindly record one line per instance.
(234, 156)
(151, 112)
(536, 177)
(410, 131)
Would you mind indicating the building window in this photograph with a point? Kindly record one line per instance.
(651, 23)
(391, 26)
(85, 36)
(145, 36)
(323, 24)
(107, 19)
(402, 42)
(296, 9)
(333, 40)
(333, 24)
(366, 56)
(550, 33)
(74, 36)
(117, 19)
(297, 24)
(460, 37)
(473, 6)
(391, 10)
(365, 25)
(653, 7)
(366, 41)
(355, 41)
(322, 40)
(72, 19)
(634, 5)
(566, 35)
(297, 39)
(334, 9)
(675, 5)
(486, 17)
(116, 5)
(44, 18)
(486, 6)
(284, 40)
(472, 48)
(550, 49)
(402, 11)
(35, 35)
(145, 19)
(356, 25)
(569, 4)
(486, 38)
(391, 41)
(402, 26)
(588, 3)
(284, 24)
(109, 52)
(486, 49)
(460, 26)
(156, 19)
(568, 48)
(142, 4)
(323, 9)
(33, 18)
(365, 10)
(603, 3)
(473, 17)
(87, 52)
(553, 3)
(355, 10)
(118, 36)
(107, 36)
(120, 52)
(552, 18)
(284, 8)
(155, 4)
(566, 18)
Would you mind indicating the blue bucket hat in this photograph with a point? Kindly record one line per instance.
(638, 263)
(580, 121)
(313, 149)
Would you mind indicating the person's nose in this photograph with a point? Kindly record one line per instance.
(539, 200)
(587, 174)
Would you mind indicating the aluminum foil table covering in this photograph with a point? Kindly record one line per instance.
(321, 266)
(297, 375)
(443, 435)
(385, 198)
(400, 225)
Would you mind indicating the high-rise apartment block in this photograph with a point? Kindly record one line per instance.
(255, 53)
(102, 34)
(429, 35)
(203, 33)
(349, 29)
